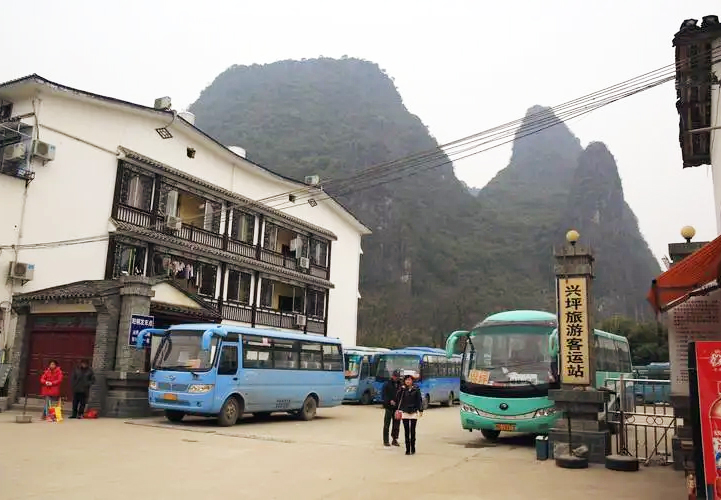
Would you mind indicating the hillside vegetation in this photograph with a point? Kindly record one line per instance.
(441, 256)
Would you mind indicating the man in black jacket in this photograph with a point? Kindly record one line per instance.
(80, 382)
(390, 404)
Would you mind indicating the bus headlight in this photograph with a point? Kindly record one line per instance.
(200, 388)
(545, 412)
(153, 385)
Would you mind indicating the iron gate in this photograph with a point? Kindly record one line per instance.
(641, 419)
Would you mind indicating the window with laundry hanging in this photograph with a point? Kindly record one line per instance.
(319, 252)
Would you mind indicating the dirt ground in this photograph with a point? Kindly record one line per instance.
(339, 455)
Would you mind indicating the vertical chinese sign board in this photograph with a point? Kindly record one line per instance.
(138, 323)
(708, 366)
(574, 331)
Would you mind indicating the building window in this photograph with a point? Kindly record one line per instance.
(284, 241)
(319, 252)
(206, 279)
(239, 286)
(316, 304)
(282, 297)
(129, 260)
(136, 190)
(195, 277)
(242, 227)
(192, 210)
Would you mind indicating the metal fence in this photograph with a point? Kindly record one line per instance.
(641, 419)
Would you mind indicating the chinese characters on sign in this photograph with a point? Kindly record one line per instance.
(573, 331)
(139, 323)
(697, 319)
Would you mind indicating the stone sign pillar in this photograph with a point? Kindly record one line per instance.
(683, 327)
(577, 397)
(127, 385)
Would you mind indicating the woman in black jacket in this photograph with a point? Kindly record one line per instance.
(410, 404)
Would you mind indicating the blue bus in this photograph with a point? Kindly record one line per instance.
(437, 376)
(509, 362)
(360, 363)
(225, 371)
(653, 383)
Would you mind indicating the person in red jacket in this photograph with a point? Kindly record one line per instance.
(50, 385)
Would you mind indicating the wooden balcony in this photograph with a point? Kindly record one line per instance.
(264, 317)
(146, 219)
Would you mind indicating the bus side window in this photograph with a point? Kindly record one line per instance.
(601, 364)
(311, 356)
(256, 353)
(228, 364)
(624, 356)
(285, 354)
(332, 358)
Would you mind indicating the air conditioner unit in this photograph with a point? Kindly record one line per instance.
(304, 262)
(313, 180)
(43, 150)
(22, 271)
(300, 319)
(15, 152)
(163, 103)
(174, 222)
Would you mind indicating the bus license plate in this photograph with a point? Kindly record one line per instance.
(170, 397)
(506, 427)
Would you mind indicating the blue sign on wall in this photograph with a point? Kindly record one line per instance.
(139, 323)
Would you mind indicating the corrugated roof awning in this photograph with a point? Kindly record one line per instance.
(693, 273)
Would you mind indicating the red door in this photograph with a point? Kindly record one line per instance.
(67, 339)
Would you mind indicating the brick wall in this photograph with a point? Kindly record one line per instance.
(18, 358)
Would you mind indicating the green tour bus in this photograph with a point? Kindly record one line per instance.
(510, 362)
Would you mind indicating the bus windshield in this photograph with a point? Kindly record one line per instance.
(507, 359)
(389, 362)
(180, 351)
(352, 365)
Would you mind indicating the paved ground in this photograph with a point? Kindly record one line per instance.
(336, 456)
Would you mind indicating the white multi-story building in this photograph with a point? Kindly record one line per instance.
(94, 188)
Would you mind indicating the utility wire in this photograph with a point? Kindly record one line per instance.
(440, 156)
(496, 133)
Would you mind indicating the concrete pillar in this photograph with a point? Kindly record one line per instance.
(577, 396)
(682, 441)
(134, 299)
(124, 391)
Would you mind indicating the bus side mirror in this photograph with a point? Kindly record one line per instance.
(451, 342)
(143, 334)
(208, 334)
(553, 343)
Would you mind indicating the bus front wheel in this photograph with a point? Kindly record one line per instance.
(426, 402)
(490, 435)
(229, 413)
(309, 409)
(450, 400)
(366, 398)
(174, 415)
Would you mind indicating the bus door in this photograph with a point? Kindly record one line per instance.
(428, 377)
(226, 381)
(365, 381)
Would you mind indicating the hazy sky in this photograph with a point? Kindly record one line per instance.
(461, 66)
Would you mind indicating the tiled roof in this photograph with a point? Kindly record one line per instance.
(240, 200)
(204, 312)
(125, 228)
(77, 290)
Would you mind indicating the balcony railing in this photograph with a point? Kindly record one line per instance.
(237, 312)
(146, 219)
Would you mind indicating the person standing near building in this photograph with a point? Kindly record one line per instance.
(390, 405)
(81, 380)
(410, 404)
(50, 382)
